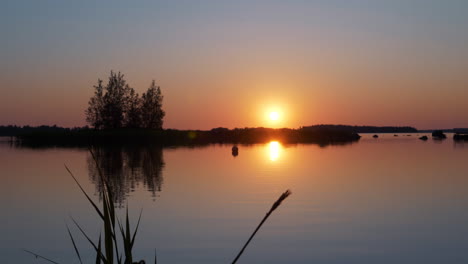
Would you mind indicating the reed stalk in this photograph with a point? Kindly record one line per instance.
(273, 208)
(39, 256)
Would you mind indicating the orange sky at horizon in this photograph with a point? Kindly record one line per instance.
(250, 107)
(247, 103)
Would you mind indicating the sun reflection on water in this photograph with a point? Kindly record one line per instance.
(274, 150)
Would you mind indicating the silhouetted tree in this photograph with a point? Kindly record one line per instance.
(117, 105)
(133, 110)
(95, 107)
(151, 108)
(114, 101)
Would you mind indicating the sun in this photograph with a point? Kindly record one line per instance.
(274, 116)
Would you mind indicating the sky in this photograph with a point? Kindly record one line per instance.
(231, 63)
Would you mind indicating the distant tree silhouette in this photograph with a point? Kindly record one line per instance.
(117, 105)
(151, 108)
(94, 111)
(115, 101)
(133, 113)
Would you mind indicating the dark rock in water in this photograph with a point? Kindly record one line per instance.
(438, 134)
(375, 136)
(235, 151)
(459, 137)
(423, 138)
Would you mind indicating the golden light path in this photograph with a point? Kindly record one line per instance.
(274, 149)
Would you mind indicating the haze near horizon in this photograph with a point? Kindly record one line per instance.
(234, 64)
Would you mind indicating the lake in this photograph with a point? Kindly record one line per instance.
(395, 199)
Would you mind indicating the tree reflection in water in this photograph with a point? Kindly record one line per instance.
(127, 167)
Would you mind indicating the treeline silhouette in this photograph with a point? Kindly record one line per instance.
(365, 129)
(451, 130)
(13, 130)
(170, 137)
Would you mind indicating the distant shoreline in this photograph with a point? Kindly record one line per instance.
(13, 130)
(55, 136)
(82, 137)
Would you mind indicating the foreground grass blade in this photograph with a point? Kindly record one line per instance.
(98, 253)
(39, 256)
(127, 241)
(91, 242)
(136, 228)
(109, 215)
(74, 244)
(108, 241)
(273, 208)
(87, 196)
(126, 244)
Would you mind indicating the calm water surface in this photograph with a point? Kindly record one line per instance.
(385, 200)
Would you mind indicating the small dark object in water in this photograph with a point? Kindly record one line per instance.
(460, 137)
(375, 136)
(423, 138)
(235, 151)
(439, 134)
(395, 135)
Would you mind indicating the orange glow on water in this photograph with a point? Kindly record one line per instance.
(274, 150)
